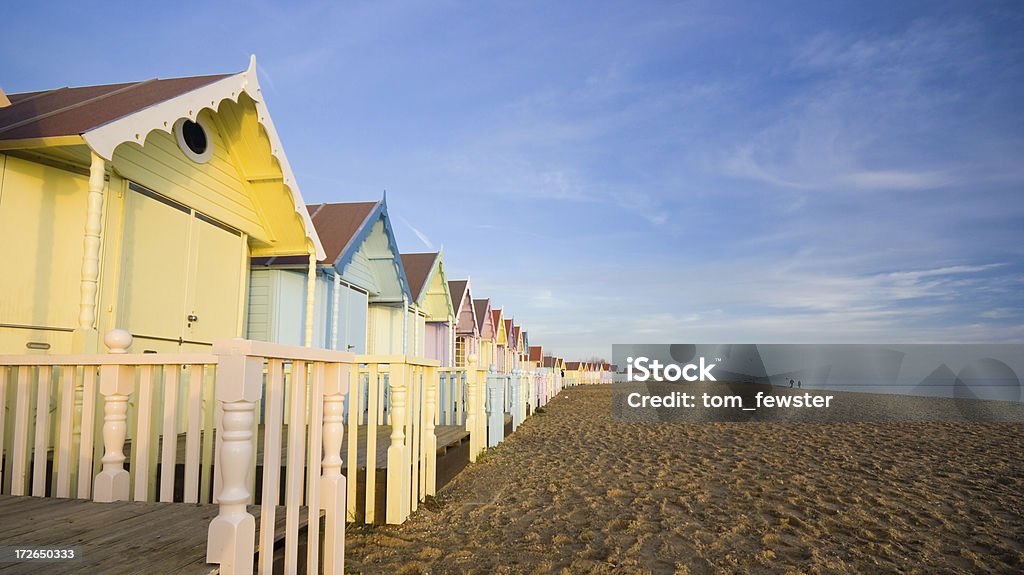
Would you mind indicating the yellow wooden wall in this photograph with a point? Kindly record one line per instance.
(384, 329)
(42, 218)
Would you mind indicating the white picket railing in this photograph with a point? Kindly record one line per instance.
(61, 405)
(246, 408)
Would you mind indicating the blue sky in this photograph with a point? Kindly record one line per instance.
(627, 172)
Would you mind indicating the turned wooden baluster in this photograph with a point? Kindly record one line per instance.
(477, 440)
(430, 438)
(495, 407)
(231, 539)
(332, 482)
(116, 384)
(398, 473)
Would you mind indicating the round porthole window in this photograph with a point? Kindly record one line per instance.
(194, 140)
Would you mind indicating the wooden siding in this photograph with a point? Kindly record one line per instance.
(214, 188)
(438, 342)
(277, 306)
(385, 329)
(373, 266)
(42, 215)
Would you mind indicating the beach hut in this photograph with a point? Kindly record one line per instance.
(467, 336)
(516, 344)
(432, 300)
(502, 357)
(573, 372)
(536, 356)
(361, 297)
(138, 206)
(486, 328)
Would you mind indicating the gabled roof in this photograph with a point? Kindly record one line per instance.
(458, 291)
(514, 337)
(75, 111)
(461, 294)
(548, 361)
(339, 225)
(104, 117)
(496, 318)
(482, 309)
(571, 365)
(344, 227)
(417, 271)
(536, 353)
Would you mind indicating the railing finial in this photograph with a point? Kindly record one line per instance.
(118, 340)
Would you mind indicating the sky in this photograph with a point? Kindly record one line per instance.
(634, 172)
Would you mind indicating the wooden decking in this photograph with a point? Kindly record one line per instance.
(117, 537)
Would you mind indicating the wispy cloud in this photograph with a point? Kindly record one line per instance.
(419, 234)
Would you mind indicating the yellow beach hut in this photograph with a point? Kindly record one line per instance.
(138, 206)
(432, 301)
(502, 358)
(485, 327)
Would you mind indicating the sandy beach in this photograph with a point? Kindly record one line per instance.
(573, 491)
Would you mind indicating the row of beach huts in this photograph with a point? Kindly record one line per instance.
(178, 327)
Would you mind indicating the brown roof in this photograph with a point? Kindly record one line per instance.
(458, 291)
(571, 365)
(338, 224)
(496, 317)
(481, 306)
(73, 111)
(536, 353)
(417, 270)
(549, 361)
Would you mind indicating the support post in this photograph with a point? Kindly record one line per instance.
(518, 403)
(310, 296)
(116, 384)
(398, 472)
(477, 440)
(85, 339)
(495, 408)
(332, 482)
(231, 539)
(430, 438)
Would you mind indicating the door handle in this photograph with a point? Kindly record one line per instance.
(192, 318)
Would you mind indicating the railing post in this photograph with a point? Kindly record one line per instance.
(231, 539)
(332, 482)
(518, 403)
(495, 408)
(430, 438)
(116, 384)
(398, 472)
(477, 440)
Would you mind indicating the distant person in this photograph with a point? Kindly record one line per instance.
(790, 383)
(563, 373)
(798, 384)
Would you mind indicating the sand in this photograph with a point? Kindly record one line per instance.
(573, 491)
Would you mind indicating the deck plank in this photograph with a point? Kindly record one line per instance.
(121, 537)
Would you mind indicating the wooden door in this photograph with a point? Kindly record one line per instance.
(181, 275)
(214, 283)
(154, 270)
